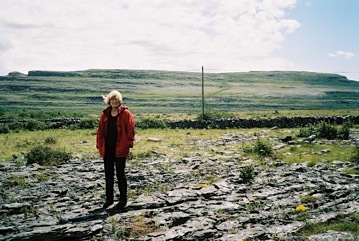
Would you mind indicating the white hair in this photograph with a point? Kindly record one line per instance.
(114, 94)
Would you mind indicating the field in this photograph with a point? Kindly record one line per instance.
(198, 158)
(178, 95)
(167, 92)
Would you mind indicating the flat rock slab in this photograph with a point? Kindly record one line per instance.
(168, 200)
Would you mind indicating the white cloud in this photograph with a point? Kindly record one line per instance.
(338, 53)
(223, 35)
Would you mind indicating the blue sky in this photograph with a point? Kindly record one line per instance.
(181, 35)
(326, 40)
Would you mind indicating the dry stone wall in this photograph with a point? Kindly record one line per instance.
(280, 122)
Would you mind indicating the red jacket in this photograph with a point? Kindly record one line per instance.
(125, 131)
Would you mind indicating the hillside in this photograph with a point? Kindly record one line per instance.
(148, 91)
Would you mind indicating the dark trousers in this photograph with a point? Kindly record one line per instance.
(111, 161)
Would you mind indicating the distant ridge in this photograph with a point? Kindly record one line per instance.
(140, 74)
(121, 72)
(110, 73)
(158, 91)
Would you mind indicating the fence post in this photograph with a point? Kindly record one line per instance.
(202, 94)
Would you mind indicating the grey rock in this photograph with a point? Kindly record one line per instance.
(332, 236)
(166, 198)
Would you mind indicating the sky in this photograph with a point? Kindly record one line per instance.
(180, 35)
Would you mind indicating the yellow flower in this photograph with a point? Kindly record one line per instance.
(240, 240)
(301, 208)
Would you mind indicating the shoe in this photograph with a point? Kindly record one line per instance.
(107, 204)
(121, 204)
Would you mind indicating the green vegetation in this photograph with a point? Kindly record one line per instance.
(247, 174)
(312, 154)
(260, 148)
(33, 114)
(80, 92)
(46, 156)
(136, 228)
(326, 131)
(263, 149)
(151, 122)
(308, 199)
(29, 101)
(17, 124)
(340, 224)
(178, 143)
(75, 141)
(17, 180)
(213, 115)
(355, 157)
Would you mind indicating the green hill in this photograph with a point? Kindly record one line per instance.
(147, 91)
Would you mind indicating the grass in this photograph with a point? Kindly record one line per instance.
(137, 227)
(178, 143)
(340, 224)
(175, 144)
(177, 95)
(312, 153)
(172, 143)
(17, 180)
(73, 141)
(178, 92)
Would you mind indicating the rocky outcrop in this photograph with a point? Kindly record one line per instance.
(199, 197)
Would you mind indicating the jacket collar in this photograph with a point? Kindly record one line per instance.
(121, 109)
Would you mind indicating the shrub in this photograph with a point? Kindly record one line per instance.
(214, 115)
(348, 124)
(16, 125)
(247, 149)
(247, 174)
(344, 132)
(23, 114)
(326, 131)
(87, 124)
(312, 163)
(262, 148)
(33, 125)
(355, 156)
(4, 129)
(45, 155)
(305, 132)
(50, 140)
(148, 123)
